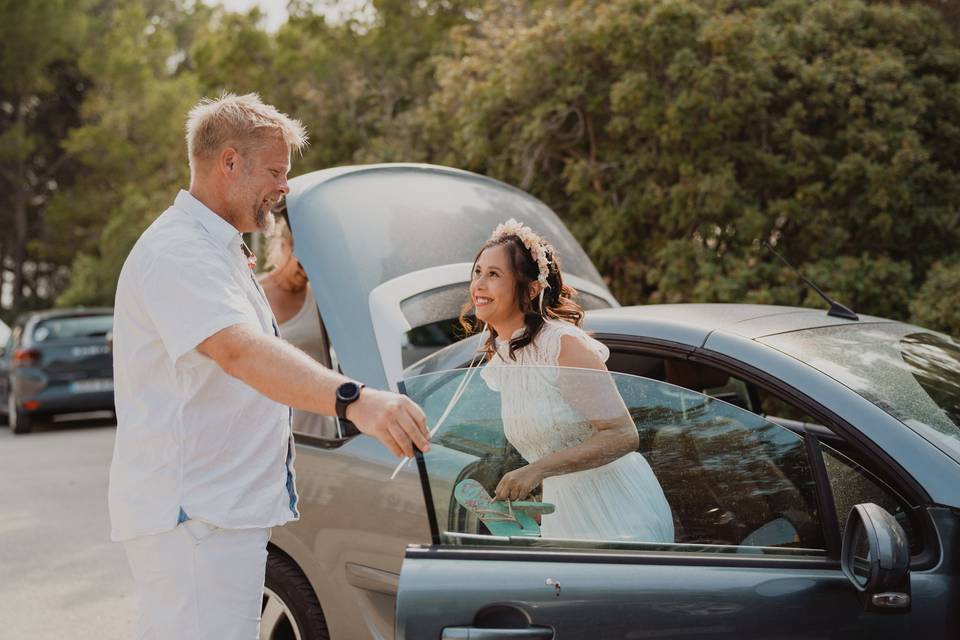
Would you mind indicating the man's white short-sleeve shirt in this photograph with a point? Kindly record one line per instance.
(192, 441)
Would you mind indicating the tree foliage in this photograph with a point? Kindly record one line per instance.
(674, 137)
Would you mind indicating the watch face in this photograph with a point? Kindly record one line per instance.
(348, 391)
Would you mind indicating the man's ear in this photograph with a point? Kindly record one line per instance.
(229, 161)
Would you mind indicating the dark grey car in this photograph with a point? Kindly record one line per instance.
(766, 427)
(56, 362)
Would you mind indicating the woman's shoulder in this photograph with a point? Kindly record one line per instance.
(550, 341)
(560, 328)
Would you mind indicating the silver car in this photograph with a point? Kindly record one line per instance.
(811, 462)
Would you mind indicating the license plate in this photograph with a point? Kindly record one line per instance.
(89, 350)
(88, 386)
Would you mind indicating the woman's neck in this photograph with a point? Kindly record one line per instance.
(507, 327)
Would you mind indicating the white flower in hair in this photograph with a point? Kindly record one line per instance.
(536, 245)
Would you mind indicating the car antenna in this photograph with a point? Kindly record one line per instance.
(837, 310)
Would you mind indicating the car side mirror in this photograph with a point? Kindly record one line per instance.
(875, 557)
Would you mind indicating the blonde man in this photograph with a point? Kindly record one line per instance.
(203, 461)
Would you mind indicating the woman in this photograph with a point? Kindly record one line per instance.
(291, 299)
(570, 425)
(289, 294)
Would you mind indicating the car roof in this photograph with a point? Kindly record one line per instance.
(691, 324)
(67, 311)
(686, 324)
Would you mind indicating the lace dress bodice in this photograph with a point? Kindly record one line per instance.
(621, 500)
(537, 419)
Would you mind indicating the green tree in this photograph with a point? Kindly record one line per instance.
(938, 300)
(130, 145)
(40, 92)
(674, 136)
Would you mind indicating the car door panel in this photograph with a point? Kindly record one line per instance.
(625, 599)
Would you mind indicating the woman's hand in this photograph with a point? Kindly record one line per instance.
(519, 483)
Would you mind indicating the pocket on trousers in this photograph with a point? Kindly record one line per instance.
(197, 530)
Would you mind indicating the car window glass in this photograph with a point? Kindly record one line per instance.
(434, 318)
(695, 376)
(610, 461)
(909, 373)
(851, 485)
(780, 411)
(312, 424)
(71, 328)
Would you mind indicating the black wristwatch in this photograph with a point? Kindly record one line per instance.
(347, 393)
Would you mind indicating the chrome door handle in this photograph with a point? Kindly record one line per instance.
(476, 633)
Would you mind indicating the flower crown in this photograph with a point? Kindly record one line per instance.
(537, 246)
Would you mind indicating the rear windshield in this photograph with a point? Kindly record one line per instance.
(911, 373)
(72, 327)
(434, 318)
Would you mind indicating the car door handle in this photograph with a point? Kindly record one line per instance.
(476, 633)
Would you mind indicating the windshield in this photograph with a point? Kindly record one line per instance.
(911, 373)
(582, 458)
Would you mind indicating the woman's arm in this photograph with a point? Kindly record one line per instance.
(594, 396)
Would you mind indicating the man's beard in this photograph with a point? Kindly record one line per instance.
(264, 219)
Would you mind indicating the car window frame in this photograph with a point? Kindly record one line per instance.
(835, 431)
(643, 551)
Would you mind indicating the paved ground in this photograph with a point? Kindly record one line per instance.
(60, 576)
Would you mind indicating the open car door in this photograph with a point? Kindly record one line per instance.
(624, 468)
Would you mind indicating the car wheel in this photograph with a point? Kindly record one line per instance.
(290, 609)
(19, 421)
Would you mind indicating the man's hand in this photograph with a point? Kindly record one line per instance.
(394, 420)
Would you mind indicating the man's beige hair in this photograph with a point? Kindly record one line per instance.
(239, 121)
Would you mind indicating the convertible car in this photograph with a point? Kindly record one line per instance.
(811, 462)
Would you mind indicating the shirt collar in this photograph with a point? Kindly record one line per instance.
(222, 231)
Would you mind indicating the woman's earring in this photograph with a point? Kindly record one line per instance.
(542, 310)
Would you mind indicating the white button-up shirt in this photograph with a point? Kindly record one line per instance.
(192, 441)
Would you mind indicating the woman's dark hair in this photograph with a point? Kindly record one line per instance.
(557, 298)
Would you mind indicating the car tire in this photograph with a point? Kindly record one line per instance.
(18, 420)
(290, 609)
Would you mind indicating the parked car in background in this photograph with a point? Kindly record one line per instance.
(811, 462)
(56, 362)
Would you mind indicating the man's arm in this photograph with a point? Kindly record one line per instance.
(287, 375)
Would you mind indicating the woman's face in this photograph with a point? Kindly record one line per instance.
(493, 287)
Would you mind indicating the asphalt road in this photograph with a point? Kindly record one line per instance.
(60, 576)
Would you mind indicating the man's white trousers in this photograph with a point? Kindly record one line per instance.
(199, 582)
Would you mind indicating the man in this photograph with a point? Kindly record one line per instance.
(203, 462)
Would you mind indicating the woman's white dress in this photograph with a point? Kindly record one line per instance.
(621, 500)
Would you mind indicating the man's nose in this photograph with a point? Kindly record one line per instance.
(284, 186)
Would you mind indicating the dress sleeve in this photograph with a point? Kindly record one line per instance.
(555, 330)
